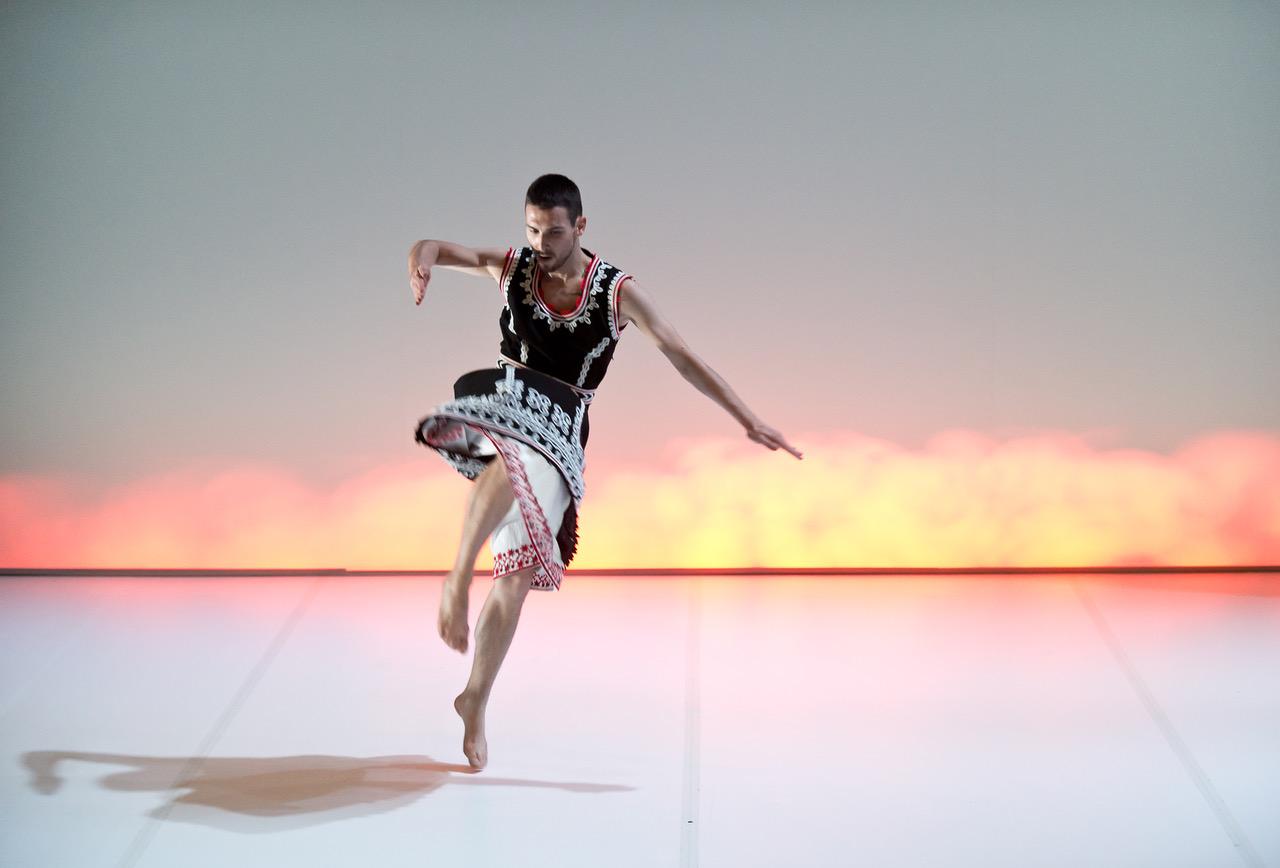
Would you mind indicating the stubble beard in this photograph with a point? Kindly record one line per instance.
(550, 267)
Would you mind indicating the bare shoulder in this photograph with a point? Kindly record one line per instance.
(481, 261)
(634, 304)
(494, 260)
(493, 257)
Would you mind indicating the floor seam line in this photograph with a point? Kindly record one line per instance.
(692, 728)
(143, 838)
(1199, 777)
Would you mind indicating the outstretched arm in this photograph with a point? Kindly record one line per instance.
(637, 306)
(482, 261)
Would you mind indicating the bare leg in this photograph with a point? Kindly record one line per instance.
(494, 629)
(490, 499)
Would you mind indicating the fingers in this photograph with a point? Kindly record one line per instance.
(793, 450)
(783, 444)
(457, 639)
(774, 440)
(454, 636)
(419, 277)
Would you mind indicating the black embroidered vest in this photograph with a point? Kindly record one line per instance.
(574, 347)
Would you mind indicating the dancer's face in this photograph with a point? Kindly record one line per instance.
(551, 235)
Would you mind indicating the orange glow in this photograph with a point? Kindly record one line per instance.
(963, 500)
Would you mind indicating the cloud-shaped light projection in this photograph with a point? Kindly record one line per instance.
(963, 500)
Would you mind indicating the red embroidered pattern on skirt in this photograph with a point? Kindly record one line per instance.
(505, 563)
(535, 523)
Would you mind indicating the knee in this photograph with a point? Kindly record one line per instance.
(513, 587)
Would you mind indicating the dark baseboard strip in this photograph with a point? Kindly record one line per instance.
(143, 572)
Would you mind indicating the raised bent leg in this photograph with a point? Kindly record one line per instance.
(494, 630)
(491, 497)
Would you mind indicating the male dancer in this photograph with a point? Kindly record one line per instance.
(564, 311)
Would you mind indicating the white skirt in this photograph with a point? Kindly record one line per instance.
(526, 535)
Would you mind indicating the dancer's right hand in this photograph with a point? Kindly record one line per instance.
(421, 257)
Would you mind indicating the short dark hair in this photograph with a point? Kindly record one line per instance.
(550, 191)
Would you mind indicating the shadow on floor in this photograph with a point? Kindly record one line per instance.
(272, 794)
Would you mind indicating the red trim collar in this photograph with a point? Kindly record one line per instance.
(582, 290)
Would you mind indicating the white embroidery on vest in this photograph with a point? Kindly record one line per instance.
(591, 357)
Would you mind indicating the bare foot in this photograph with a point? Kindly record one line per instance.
(473, 741)
(452, 622)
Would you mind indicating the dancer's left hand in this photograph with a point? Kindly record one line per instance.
(771, 437)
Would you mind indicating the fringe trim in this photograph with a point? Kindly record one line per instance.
(567, 537)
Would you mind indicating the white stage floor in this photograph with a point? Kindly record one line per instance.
(886, 721)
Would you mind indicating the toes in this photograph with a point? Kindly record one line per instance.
(454, 636)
